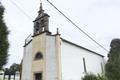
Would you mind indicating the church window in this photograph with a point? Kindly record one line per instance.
(37, 27)
(38, 56)
(102, 68)
(84, 64)
(42, 22)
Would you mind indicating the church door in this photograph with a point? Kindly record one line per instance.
(38, 76)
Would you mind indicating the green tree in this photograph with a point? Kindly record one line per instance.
(4, 45)
(113, 64)
(14, 67)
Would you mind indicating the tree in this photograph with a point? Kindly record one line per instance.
(113, 64)
(4, 45)
(12, 69)
(15, 67)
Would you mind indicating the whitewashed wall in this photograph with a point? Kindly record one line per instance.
(27, 61)
(51, 63)
(72, 62)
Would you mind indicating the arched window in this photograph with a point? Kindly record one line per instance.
(38, 56)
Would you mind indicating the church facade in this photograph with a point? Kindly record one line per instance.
(50, 57)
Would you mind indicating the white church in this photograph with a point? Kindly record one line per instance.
(50, 57)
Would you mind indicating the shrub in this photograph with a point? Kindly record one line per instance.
(101, 77)
(94, 77)
(89, 77)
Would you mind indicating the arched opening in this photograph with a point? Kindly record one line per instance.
(38, 56)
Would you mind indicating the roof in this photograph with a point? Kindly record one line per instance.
(81, 47)
(30, 40)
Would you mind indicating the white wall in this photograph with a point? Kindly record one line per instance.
(72, 62)
(27, 61)
(51, 63)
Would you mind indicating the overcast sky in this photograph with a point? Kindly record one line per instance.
(99, 18)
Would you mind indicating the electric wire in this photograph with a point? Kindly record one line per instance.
(65, 17)
(20, 9)
(77, 26)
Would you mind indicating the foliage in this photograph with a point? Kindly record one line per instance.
(12, 70)
(113, 64)
(94, 77)
(4, 45)
(89, 77)
(101, 77)
(15, 67)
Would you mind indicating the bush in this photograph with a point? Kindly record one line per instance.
(101, 77)
(89, 77)
(94, 77)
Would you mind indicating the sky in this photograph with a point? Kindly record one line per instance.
(98, 18)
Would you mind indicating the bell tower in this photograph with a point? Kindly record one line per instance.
(41, 23)
(42, 56)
